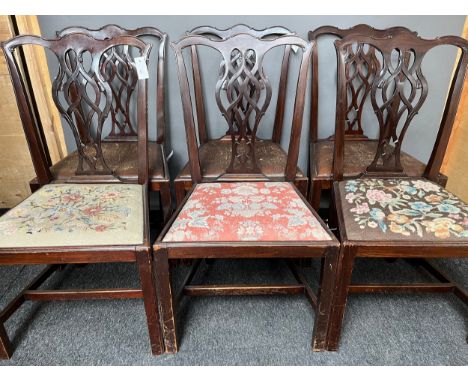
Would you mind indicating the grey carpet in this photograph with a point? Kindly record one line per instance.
(264, 330)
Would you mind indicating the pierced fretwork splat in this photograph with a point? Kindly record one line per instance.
(244, 82)
(235, 89)
(122, 79)
(222, 34)
(83, 98)
(80, 90)
(361, 67)
(400, 82)
(243, 93)
(398, 92)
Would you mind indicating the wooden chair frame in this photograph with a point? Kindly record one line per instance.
(59, 256)
(165, 252)
(182, 185)
(418, 250)
(359, 96)
(121, 96)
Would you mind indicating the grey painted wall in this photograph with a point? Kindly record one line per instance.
(419, 139)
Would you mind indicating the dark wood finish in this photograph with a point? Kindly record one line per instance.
(188, 279)
(458, 290)
(243, 154)
(387, 162)
(311, 296)
(412, 288)
(242, 290)
(168, 318)
(212, 164)
(75, 79)
(119, 147)
(96, 294)
(6, 313)
(254, 86)
(362, 65)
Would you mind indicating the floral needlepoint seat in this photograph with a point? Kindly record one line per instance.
(402, 209)
(76, 214)
(245, 211)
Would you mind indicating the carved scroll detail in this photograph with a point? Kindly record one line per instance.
(361, 68)
(401, 84)
(122, 78)
(244, 82)
(87, 99)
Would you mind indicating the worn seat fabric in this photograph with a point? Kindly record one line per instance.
(358, 154)
(122, 157)
(245, 211)
(402, 209)
(215, 157)
(76, 215)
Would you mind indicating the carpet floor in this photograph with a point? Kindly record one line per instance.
(411, 329)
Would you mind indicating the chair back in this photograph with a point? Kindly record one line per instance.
(242, 93)
(400, 82)
(83, 94)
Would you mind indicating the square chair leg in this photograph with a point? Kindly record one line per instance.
(150, 299)
(163, 278)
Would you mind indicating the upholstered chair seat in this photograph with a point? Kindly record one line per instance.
(60, 215)
(245, 211)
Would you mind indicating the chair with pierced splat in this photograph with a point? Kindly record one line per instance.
(119, 146)
(244, 213)
(215, 154)
(97, 216)
(359, 148)
(386, 212)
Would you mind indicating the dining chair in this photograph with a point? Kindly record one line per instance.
(119, 145)
(244, 213)
(386, 212)
(215, 152)
(96, 216)
(359, 148)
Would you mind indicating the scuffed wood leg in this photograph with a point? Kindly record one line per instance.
(325, 300)
(168, 321)
(150, 299)
(166, 201)
(343, 281)
(5, 344)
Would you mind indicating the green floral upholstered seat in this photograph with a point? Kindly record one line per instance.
(402, 209)
(76, 215)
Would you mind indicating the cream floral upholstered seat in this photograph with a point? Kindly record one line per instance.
(76, 215)
(245, 211)
(402, 209)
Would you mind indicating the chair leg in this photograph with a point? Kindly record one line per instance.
(333, 215)
(325, 300)
(34, 187)
(179, 188)
(343, 280)
(166, 201)
(163, 280)
(315, 193)
(150, 299)
(5, 344)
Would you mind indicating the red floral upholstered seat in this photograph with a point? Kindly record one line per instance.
(245, 211)
(402, 209)
(76, 215)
